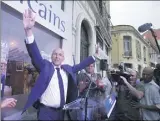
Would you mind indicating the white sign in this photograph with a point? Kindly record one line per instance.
(47, 14)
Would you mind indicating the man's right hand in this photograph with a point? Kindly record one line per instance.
(28, 21)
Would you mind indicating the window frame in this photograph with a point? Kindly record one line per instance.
(127, 43)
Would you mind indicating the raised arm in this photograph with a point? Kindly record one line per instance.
(83, 64)
(29, 22)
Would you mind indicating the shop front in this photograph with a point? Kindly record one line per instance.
(51, 30)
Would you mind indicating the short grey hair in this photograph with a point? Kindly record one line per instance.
(130, 71)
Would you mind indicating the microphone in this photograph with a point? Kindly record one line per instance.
(144, 27)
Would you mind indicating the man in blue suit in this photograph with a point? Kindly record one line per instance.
(56, 84)
(2, 84)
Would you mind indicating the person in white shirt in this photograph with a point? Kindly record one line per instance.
(150, 103)
(56, 84)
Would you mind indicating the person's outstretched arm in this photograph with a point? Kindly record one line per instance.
(29, 22)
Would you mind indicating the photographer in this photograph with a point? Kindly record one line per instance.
(129, 95)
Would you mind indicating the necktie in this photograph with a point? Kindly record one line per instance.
(61, 87)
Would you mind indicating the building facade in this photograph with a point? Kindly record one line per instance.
(129, 47)
(75, 26)
(91, 28)
(153, 51)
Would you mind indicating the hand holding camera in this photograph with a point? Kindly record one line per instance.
(124, 79)
(120, 75)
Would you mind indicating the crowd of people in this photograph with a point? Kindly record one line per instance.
(137, 99)
(59, 84)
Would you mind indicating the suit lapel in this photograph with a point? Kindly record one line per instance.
(65, 68)
(68, 70)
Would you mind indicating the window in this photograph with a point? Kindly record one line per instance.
(128, 65)
(150, 53)
(84, 43)
(62, 4)
(18, 60)
(101, 7)
(97, 3)
(127, 46)
(138, 49)
(106, 49)
(99, 40)
(144, 53)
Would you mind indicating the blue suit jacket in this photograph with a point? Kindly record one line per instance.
(3, 84)
(46, 70)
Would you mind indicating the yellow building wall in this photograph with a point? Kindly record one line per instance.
(118, 50)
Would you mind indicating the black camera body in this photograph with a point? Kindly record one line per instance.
(115, 74)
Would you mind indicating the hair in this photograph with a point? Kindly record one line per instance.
(89, 65)
(149, 70)
(57, 49)
(130, 71)
(92, 64)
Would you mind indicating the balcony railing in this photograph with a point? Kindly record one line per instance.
(128, 53)
(102, 20)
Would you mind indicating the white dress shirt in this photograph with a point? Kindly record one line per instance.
(51, 96)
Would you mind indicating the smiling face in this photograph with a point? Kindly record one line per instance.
(57, 57)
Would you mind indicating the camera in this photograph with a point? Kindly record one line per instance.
(121, 71)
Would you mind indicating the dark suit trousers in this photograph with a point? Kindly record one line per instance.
(48, 113)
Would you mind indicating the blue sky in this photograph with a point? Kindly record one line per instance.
(135, 13)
